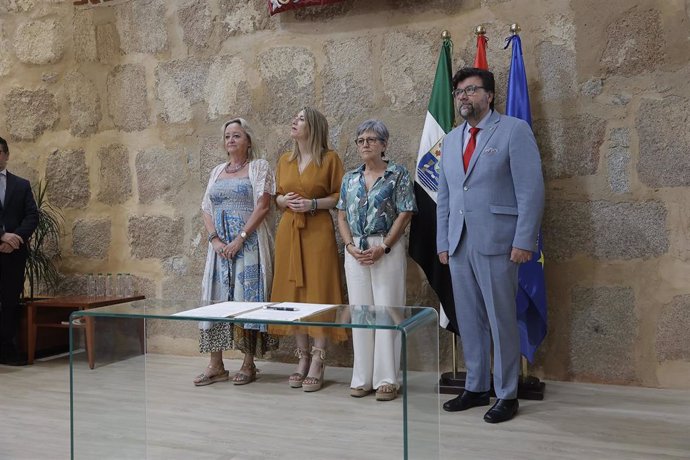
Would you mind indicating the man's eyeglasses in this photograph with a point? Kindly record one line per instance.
(470, 90)
(369, 140)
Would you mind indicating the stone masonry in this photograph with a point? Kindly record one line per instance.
(117, 105)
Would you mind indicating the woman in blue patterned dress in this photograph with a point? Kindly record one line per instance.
(239, 263)
(376, 205)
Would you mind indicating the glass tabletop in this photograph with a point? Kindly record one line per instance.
(130, 386)
(345, 316)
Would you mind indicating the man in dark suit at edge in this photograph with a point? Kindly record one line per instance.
(18, 220)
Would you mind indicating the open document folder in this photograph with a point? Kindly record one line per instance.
(223, 310)
(285, 311)
(256, 311)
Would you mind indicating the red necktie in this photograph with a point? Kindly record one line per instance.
(469, 150)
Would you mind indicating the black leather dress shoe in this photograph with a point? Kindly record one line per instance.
(467, 400)
(502, 411)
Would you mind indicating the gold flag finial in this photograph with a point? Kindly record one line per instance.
(515, 29)
(445, 34)
(480, 30)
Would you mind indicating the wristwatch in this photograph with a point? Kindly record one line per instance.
(243, 235)
(386, 248)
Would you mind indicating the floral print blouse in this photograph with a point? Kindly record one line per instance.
(373, 213)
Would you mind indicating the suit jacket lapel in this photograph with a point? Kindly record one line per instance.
(489, 130)
(9, 187)
(461, 167)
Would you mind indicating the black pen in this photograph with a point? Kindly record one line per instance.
(281, 308)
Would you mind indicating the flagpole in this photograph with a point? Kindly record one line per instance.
(480, 61)
(514, 30)
(454, 382)
(445, 35)
(529, 387)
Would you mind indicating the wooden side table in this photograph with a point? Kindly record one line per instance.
(71, 303)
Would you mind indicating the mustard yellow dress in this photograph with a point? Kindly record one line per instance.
(307, 265)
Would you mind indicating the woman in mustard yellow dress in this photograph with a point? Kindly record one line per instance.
(307, 265)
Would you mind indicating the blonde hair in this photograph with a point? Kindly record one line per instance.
(247, 130)
(317, 135)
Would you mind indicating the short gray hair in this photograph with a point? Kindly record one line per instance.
(375, 126)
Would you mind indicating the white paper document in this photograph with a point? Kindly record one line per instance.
(223, 310)
(285, 311)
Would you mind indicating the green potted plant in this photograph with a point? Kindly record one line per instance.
(40, 264)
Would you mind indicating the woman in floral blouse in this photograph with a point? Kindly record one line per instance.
(376, 205)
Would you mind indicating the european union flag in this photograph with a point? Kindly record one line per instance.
(531, 296)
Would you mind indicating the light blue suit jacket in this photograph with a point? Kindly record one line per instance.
(500, 199)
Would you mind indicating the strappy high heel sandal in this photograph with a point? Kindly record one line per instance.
(212, 374)
(246, 374)
(296, 379)
(311, 384)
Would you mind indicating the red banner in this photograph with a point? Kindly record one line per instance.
(480, 61)
(278, 6)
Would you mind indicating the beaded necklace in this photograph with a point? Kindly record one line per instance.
(233, 169)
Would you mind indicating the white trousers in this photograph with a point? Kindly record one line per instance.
(376, 351)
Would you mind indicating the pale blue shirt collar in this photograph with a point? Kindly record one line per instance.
(481, 125)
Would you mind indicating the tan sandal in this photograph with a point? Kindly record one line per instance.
(246, 374)
(296, 379)
(359, 392)
(386, 392)
(207, 378)
(310, 384)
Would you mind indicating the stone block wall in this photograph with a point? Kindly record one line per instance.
(118, 105)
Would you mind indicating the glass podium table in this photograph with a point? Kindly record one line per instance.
(139, 402)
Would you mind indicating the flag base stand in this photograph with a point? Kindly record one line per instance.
(530, 388)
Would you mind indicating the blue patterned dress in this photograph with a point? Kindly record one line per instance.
(239, 278)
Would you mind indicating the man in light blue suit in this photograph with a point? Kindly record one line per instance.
(490, 204)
